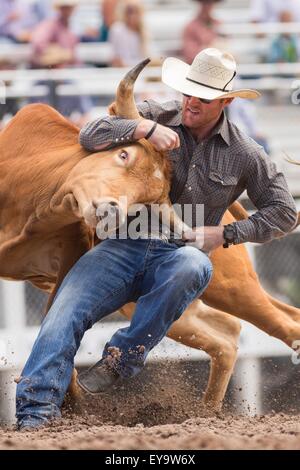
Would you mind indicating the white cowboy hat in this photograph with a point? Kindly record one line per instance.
(65, 3)
(209, 77)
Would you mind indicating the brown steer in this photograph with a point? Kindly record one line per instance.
(51, 189)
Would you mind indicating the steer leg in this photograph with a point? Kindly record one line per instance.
(293, 314)
(216, 333)
(75, 396)
(235, 289)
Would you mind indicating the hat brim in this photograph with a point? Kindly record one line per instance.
(175, 71)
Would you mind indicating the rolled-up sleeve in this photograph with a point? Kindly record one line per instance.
(110, 131)
(107, 133)
(268, 191)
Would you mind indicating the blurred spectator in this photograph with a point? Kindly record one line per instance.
(128, 36)
(54, 46)
(109, 13)
(42, 9)
(109, 16)
(19, 17)
(53, 41)
(201, 32)
(284, 47)
(268, 11)
(9, 15)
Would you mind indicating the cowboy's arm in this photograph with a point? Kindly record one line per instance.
(268, 191)
(110, 131)
(276, 215)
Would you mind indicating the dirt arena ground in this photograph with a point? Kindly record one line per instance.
(218, 432)
(159, 411)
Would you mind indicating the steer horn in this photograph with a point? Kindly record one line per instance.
(125, 106)
(291, 160)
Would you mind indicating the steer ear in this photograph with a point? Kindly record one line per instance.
(64, 202)
(112, 109)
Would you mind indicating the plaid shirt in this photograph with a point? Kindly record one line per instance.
(213, 172)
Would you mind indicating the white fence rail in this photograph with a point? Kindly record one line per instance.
(150, 73)
(103, 82)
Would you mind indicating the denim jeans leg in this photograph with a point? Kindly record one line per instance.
(99, 283)
(177, 277)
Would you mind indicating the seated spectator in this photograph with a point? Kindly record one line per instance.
(201, 32)
(109, 9)
(53, 41)
(19, 17)
(268, 11)
(128, 36)
(54, 45)
(8, 15)
(109, 16)
(284, 47)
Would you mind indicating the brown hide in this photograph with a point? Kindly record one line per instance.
(50, 185)
(38, 148)
(235, 289)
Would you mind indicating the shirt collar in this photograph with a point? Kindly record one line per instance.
(176, 118)
(222, 129)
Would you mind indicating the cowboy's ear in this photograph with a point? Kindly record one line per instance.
(228, 101)
(112, 109)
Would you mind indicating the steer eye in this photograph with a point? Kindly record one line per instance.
(124, 155)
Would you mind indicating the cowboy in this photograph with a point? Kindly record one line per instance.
(213, 164)
(53, 41)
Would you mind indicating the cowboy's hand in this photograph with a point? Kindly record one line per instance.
(162, 138)
(205, 238)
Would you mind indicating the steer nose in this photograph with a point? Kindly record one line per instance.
(110, 217)
(113, 209)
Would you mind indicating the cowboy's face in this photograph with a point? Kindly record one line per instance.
(198, 113)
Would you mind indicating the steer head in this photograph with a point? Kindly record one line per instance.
(107, 183)
(114, 180)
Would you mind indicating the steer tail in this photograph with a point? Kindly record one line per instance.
(239, 213)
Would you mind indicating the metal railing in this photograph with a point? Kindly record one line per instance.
(103, 82)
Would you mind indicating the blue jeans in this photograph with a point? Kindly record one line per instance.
(162, 278)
